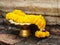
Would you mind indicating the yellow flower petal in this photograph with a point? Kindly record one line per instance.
(47, 33)
(19, 12)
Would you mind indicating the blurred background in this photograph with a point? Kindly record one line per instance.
(50, 9)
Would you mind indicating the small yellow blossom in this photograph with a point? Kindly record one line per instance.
(40, 34)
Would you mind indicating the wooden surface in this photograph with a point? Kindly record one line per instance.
(6, 38)
(50, 9)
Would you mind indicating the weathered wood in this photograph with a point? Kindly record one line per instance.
(3, 43)
(52, 20)
(53, 29)
(8, 38)
(45, 7)
(48, 8)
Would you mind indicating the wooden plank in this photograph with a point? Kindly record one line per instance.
(49, 8)
(9, 38)
(45, 7)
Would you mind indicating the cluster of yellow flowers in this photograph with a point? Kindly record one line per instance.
(19, 16)
(41, 34)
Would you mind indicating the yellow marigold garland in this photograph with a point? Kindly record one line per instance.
(19, 16)
(38, 20)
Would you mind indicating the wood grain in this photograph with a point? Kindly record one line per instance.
(45, 7)
(50, 9)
